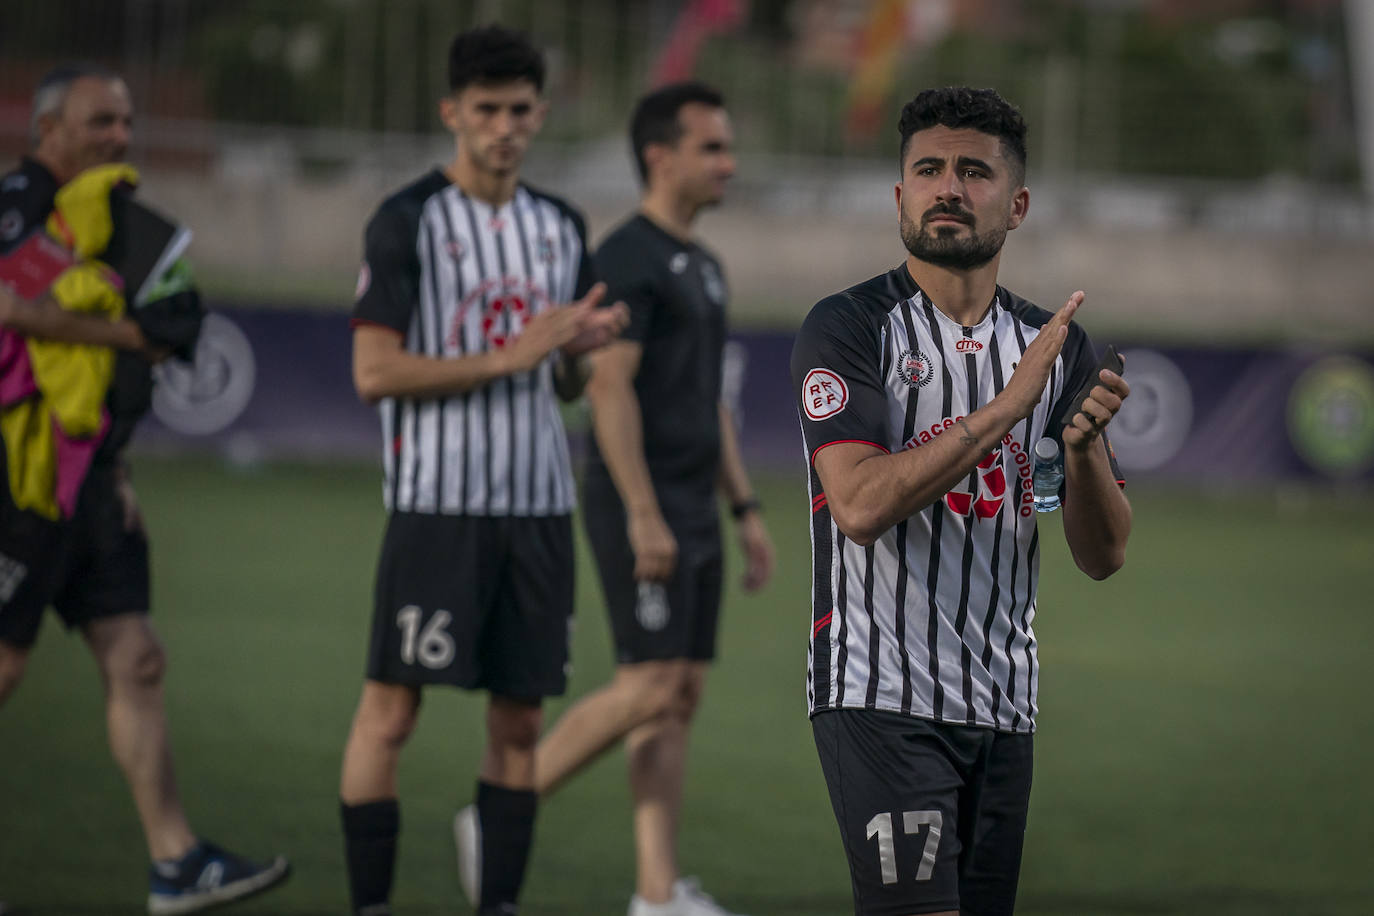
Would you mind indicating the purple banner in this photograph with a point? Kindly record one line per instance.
(277, 383)
(265, 384)
(1194, 412)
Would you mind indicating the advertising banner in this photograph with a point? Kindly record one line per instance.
(277, 384)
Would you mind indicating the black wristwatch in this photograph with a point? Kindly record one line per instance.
(745, 506)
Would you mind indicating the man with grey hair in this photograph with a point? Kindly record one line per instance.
(92, 566)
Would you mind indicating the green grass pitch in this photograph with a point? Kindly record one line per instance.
(1206, 737)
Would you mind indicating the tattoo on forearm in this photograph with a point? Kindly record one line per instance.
(968, 438)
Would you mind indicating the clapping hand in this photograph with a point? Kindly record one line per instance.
(575, 328)
(1027, 384)
(600, 326)
(1096, 411)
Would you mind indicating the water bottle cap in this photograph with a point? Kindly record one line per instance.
(1047, 449)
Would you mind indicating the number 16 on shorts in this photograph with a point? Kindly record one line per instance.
(880, 827)
(427, 642)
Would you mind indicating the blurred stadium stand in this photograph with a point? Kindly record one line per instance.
(1193, 165)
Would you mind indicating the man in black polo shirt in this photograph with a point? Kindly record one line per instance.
(93, 566)
(664, 442)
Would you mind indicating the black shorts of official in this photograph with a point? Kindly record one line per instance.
(475, 602)
(87, 567)
(654, 621)
(932, 815)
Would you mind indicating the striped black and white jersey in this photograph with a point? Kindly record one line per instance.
(934, 619)
(457, 277)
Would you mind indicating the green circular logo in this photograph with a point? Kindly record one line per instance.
(1331, 416)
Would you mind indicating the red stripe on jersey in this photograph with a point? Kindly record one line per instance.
(842, 442)
(821, 624)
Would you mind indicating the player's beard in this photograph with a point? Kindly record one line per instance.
(945, 247)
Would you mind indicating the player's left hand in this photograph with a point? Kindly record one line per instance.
(600, 327)
(758, 552)
(1097, 411)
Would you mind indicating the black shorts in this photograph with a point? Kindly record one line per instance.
(652, 621)
(87, 567)
(475, 602)
(932, 815)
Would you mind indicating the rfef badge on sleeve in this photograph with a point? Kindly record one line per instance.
(824, 394)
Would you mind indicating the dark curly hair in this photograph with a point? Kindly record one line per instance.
(983, 110)
(493, 54)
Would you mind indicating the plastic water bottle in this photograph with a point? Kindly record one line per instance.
(1049, 474)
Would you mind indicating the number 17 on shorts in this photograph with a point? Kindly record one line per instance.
(880, 828)
(899, 827)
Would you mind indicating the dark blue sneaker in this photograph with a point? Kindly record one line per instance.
(208, 876)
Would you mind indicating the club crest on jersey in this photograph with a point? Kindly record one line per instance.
(992, 490)
(364, 281)
(823, 394)
(712, 282)
(915, 368)
(678, 262)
